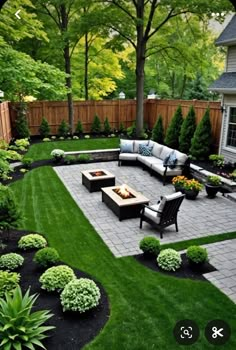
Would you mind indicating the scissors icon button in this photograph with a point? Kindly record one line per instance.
(217, 332)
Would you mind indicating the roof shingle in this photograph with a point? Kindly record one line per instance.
(226, 82)
(228, 36)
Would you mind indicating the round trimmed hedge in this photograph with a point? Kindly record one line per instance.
(32, 241)
(11, 261)
(56, 278)
(80, 295)
(150, 246)
(46, 257)
(197, 254)
(169, 260)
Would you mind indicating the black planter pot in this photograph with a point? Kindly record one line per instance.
(191, 194)
(211, 190)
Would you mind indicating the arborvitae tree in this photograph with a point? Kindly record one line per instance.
(79, 128)
(96, 125)
(122, 128)
(158, 131)
(173, 130)
(107, 127)
(22, 129)
(187, 131)
(44, 128)
(63, 128)
(202, 139)
(10, 215)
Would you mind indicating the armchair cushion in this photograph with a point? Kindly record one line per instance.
(153, 214)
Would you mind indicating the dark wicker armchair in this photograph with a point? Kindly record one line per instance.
(164, 213)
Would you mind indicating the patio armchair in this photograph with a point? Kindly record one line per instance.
(164, 213)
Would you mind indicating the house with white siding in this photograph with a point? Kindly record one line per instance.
(226, 85)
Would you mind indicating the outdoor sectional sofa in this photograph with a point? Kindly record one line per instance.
(158, 158)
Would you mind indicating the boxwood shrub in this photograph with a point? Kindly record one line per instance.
(169, 259)
(8, 282)
(150, 246)
(55, 278)
(197, 254)
(46, 257)
(11, 261)
(31, 241)
(80, 295)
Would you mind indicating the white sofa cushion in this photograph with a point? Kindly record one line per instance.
(165, 152)
(157, 148)
(128, 156)
(181, 158)
(126, 146)
(160, 169)
(147, 160)
(139, 142)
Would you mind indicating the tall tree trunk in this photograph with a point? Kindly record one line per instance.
(66, 51)
(86, 58)
(183, 86)
(69, 85)
(139, 71)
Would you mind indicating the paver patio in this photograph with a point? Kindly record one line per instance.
(198, 218)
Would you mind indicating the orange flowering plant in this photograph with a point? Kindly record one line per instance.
(179, 180)
(192, 184)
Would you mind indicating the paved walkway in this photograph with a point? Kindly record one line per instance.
(222, 256)
(198, 218)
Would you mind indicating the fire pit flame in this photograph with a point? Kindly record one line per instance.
(123, 192)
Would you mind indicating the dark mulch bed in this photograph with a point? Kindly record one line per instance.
(73, 330)
(224, 171)
(185, 271)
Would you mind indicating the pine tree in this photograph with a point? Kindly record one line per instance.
(79, 128)
(96, 125)
(187, 131)
(158, 131)
(44, 128)
(173, 130)
(22, 129)
(10, 215)
(63, 128)
(107, 127)
(202, 139)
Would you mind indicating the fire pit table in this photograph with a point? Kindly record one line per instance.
(95, 179)
(124, 201)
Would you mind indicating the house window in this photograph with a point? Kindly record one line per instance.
(231, 137)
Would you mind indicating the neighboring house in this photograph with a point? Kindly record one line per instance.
(226, 85)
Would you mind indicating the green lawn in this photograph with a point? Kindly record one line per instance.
(42, 150)
(145, 305)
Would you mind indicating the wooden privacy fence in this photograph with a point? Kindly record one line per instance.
(117, 112)
(5, 123)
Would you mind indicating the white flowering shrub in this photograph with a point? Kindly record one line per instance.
(11, 261)
(58, 153)
(32, 241)
(80, 295)
(56, 278)
(169, 260)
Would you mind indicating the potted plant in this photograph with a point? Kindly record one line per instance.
(178, 182)
(192, 188)
(212, 185)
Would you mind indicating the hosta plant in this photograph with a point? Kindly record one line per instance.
(169, 259)
(11, 261)
(8, 282)
(46, 257)
(80, 295)
(56, 278)
(32, 241)
(20, 328)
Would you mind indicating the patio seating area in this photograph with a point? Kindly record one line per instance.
(197, 218)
